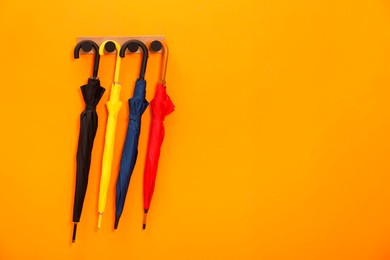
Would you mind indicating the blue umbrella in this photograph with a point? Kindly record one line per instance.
(137, 106)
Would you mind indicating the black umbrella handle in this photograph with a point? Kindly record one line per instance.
(132, 46)
(87, 46)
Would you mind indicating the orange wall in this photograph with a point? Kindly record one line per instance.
(278, 149)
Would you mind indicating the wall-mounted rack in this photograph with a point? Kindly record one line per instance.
(121, 39)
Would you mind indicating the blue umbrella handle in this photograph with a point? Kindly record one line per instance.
(132, 46)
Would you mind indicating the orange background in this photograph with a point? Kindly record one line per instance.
(278, 149)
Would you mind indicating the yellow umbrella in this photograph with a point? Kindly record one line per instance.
(113, 107)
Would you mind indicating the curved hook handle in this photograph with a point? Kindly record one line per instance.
(156, 46)
(87, 46)
(108, 45)
(133, 45)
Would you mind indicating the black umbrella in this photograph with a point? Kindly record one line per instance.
(137, 106)
(92, 93)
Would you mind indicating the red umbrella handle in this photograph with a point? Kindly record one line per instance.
(156, 46)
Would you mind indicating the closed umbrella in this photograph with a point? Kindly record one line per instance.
(113, 107)
(161, 106)
(92, 93)
(137, 106)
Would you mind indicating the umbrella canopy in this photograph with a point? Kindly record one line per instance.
(113, 107)
(161, 106)
(137, 106)
(92, 93)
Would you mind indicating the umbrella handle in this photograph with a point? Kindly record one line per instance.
(87, 46)
(156, 46)
(110, 46)
(132, 46)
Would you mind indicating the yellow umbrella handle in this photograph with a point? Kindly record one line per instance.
(118, 59)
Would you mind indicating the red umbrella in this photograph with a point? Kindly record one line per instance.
(161, 105)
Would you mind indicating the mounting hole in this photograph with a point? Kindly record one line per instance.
(156, 46)
(109, 47)
(86, 46)
(132, 47)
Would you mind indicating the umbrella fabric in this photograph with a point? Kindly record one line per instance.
(161, 106)
(113, 107)
(92, 93)
(137, 106)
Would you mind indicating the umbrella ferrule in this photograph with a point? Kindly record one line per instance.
(145, 218)
(100, 219)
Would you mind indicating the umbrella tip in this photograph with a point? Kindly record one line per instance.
(74, 232)
(116, 222)
(100, 219)
(145, 217)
